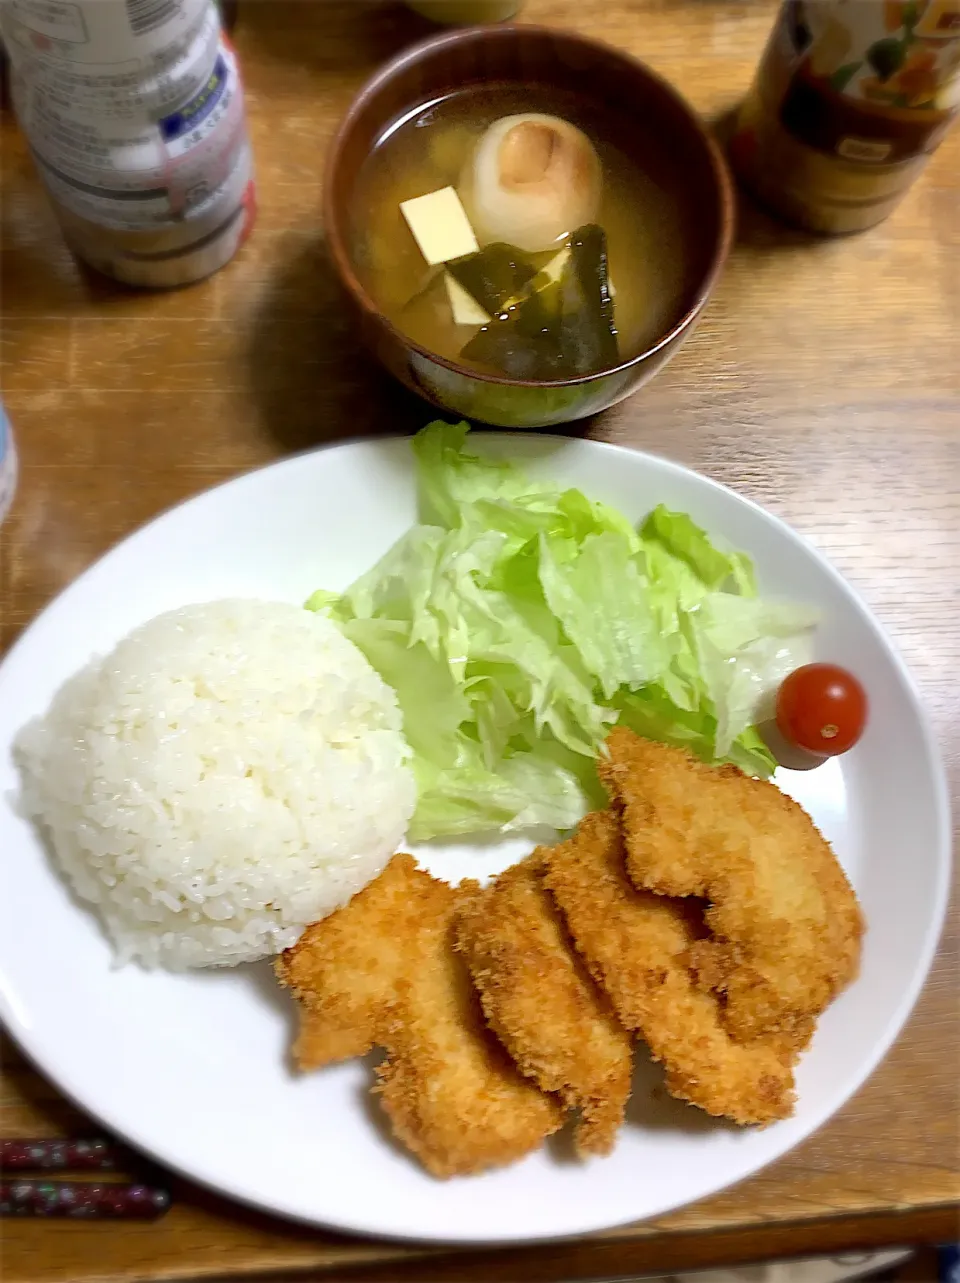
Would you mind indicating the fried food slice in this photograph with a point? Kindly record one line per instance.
(785, 922)
(344, 969)
(453, 1095)
(635, 945)
(382, 971)
(542, 1005)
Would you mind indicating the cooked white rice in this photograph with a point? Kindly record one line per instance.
(230, 773)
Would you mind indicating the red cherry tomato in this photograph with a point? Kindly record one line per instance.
(822, 708)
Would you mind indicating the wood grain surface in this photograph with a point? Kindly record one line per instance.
(824, 382)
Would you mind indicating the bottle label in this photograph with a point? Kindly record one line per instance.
(134, 110)
(132, 90)
(875, 83)
(100, 37)
(8, 465)
(137, 180)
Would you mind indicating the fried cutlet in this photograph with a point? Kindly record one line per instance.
(453, 1095)
(382, 971)
(785, 923)
(635, 945)
(344, 969)
(541, 1003)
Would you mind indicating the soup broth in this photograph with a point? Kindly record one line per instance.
(650, 283)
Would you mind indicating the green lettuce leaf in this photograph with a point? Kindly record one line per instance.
(526, 791)
(746, 647)
(600, 595)
(521, 620)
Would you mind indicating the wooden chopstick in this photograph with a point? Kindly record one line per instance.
(82, 1199)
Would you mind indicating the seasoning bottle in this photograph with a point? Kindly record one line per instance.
(135, 115)
(8, 465)
(850, 99)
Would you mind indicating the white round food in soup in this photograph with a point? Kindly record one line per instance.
(531, 180)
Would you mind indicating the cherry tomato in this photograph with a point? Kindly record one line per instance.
(822, 708)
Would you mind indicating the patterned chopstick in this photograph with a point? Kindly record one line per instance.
(59, 1155)
(82, 1200)
(26, 1195)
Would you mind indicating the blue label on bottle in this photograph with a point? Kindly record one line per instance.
(199, 108)
(949, 1263)
(8, 465)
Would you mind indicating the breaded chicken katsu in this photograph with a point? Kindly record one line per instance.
(452, 1093)
(345, 969)
(702, 912)
(784, 922)
(540, 1001)
(636, 946)
(384, 971)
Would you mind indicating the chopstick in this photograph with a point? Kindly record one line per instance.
(81, 1199)
(58, 1155)
(88, 1200)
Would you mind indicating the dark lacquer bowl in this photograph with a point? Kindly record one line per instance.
(606, 80)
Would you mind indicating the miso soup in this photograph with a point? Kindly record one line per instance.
(515, 231)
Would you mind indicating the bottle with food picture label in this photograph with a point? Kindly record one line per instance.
(850, 100)
(135, 115)
(8, 465)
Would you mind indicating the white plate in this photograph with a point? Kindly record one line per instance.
(193, 1069)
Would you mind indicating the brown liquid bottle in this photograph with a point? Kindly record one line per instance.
(850, 99)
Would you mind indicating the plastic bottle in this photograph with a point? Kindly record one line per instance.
(134, 112)
(8, 465)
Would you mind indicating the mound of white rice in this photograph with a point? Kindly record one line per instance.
(230, 773)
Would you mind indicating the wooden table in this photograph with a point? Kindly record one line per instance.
(824, 382)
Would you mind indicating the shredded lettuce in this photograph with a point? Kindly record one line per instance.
(520, 621)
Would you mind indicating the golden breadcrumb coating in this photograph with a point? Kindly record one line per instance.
(635, 945)
(543, 1006)
(785, 923)
(382, 971)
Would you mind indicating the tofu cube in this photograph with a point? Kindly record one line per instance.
(554, 269)
(440, 225)
(466, 310)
